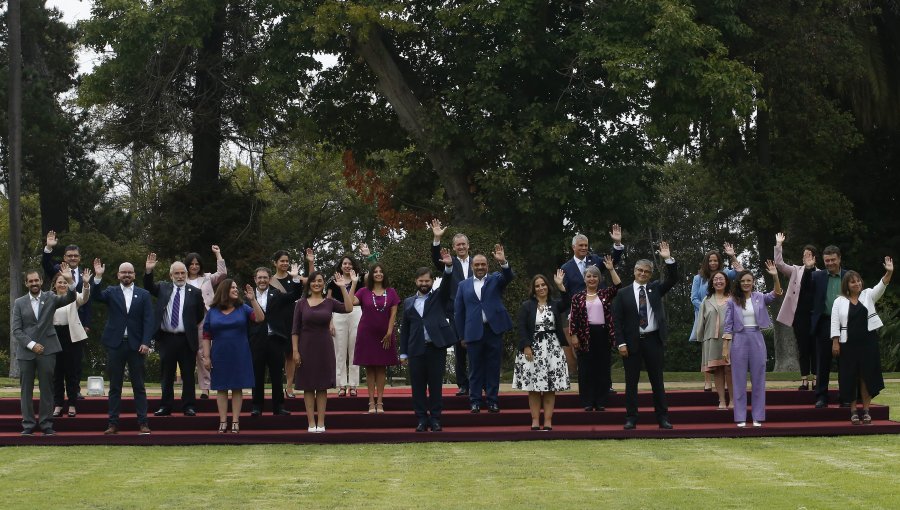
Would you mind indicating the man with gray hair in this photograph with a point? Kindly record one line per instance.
(179, 312)
(641, 332)
(462, 270)
(582, 258)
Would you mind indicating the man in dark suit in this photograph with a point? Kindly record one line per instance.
(71, 259)
(826, 287)
(270, 339)
(462, 269)
(481, 319)
(641, 333)
(32, 327)
(425, 335)
(129, 328)
(582, 258)
(179, 312)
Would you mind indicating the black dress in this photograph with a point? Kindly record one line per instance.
(859, 356)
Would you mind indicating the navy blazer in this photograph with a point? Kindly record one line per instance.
(412, 328)
(627, 318)
(528, 316)
(50, 269)
(820, 292)
(139, 319)
(454, 278)
(468, 308)
(192, 312)
(573, 280)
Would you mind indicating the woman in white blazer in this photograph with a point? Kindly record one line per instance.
(70, 333)
(853, 325)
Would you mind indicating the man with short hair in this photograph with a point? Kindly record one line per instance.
(583, 257)
(425, 335)
(481, 319)
(179, 312)
(129, 328)
(826, 288)
(32, 327)
(462, 270)
(641, 333)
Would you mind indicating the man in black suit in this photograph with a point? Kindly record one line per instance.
(462, 270)
(425, 334)
(179, 312)
(269, 340)
(826, 287)
(641, 332)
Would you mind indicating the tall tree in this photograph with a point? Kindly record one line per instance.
(14, 47)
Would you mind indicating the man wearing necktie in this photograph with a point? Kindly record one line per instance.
(641, 333)
(481, 319)
(129, 328)
(32, 328)
(178, 313)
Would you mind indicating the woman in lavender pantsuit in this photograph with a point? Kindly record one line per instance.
(745, 316)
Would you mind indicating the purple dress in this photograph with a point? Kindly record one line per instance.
(317, 364)
(232, 364)
(372, 327)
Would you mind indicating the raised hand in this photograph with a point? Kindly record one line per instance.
(310, 255)
(446, 258)
(889, 264)
(771, 269)
(616, 233)
(86, 276)
(216, 250)
(608, 262)
(353, 276)
(437, 229)
(339, 279)
(249, 293)
(664, 251)
(99, 268)
(499, 254)
(729, 249)
(779, 238)
(295, 270)
(67, 273)
(51, 239)
(364, 250)
(558, 278)
(150, 265)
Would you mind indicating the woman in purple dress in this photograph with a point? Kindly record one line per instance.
(226, 349)
(376, 345)
(313, 346)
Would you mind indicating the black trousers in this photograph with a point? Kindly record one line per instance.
(652, 354)
(68, 369)
(806, 346)
(823, 356)
(116, 359)
(462, 374)
(174, 349)
(427, 371)
(268, 353)
(594, 369)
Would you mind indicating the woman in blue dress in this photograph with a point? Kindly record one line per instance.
(226, 348)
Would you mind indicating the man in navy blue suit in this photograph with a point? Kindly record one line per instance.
(425, 335)
(582, 258)
(129, 327)
(481, 319)
(826, 287)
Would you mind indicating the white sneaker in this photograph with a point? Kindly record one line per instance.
(320, 430)
(312, 429)
(757, 424)
(741, 424)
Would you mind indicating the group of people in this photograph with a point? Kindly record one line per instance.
(315, 332)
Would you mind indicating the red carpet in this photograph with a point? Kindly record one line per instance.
(693, 413)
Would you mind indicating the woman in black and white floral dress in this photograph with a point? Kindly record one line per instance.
(541, 368)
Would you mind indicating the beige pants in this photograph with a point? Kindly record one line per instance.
(345, 325)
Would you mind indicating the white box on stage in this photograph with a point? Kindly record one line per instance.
(95, 387)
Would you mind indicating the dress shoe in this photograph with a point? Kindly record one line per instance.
(664, 424)
(190, 411)
(741, 424)
(27, 432)
(145, 429)
(462, 392)
(475, 409)
(845, 404)
(204, 396)
(630, 424)
(163, 411)
(112, 429)
(48, 432)
(281, 412)
(612, 391)
(255, 412)
(493, 408)
(80, 396)
(422, 426)
(588, 408)
(757, 424)
(599, 408)
(821, 403)
(436, 425)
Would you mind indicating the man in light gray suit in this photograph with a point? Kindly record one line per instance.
(32, 327)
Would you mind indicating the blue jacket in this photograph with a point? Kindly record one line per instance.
(413, 325)
(139, 319)
(468, 308)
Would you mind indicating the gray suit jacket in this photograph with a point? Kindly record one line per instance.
(26, 328)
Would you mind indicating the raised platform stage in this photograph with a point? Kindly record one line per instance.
(693, 414)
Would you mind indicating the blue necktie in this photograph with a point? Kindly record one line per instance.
(176, 305)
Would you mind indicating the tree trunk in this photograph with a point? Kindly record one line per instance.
(14, 24)
(786, 356)
(206, 130)
(395, 88)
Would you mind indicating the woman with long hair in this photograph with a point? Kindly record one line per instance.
(70, 333)
(711, 329)
(345, 325)
(207, 283)
(376, 342)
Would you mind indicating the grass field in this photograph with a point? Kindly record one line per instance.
(762, 473)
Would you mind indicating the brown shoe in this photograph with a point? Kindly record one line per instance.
(145, 429)
(113, 429)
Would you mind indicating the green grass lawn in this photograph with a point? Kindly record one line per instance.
(762, 473)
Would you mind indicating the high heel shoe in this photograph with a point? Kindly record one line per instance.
(71, 412)
(804, 385)
(57, 412)
(289, 394)
(235, 428)
(379, 408)
(342, 392)
(372, 408)
(223, 427)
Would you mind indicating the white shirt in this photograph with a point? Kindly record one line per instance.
(651, 318)
(35, 307)
(129, 294)
(167, 320)
(262, 297)
(749, 314)
(465, 263)
(581, 263)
